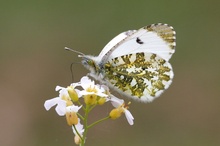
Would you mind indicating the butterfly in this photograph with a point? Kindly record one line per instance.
(136, 63)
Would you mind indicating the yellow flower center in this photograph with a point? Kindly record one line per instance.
(67, 99)
(91, 89)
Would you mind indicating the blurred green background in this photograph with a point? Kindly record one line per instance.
(33, 61)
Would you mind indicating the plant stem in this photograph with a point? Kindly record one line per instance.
(77, 132)
(92, 107)
(96, 122)
(85, 124)
(80, 116)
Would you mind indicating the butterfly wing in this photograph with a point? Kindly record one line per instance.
(135, 63)
(138, 66)
(114, 41)
(156, 38)
(141, 76)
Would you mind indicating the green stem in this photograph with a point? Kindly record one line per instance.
(92, 107)
(77, 132)
(96, 122)
(85, 124)
(80, 116)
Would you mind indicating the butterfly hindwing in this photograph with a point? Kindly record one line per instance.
(142, 76)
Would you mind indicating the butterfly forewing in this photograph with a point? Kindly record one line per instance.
(156, 38)
(114, 42)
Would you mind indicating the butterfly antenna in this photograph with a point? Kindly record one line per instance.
(71, 69)
(69, 49)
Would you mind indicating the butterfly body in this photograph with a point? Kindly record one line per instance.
(135, 63)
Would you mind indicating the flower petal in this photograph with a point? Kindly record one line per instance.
(75, 85)
(73, 108)
(129, 117)
(61, 107)
(51, 102)
(101, 94)
(116, 102)
(78, 93)
(58, 88)
(86, 82)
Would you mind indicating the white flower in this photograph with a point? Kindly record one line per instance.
(90, 88)
(62, 101)
(119, 104)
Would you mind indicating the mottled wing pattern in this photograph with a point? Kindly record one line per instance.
(164, 31)
(143, 74)
(168, 35)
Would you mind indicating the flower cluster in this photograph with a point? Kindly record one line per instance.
(69, 103)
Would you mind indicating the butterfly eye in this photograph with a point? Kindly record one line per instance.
(88, 63)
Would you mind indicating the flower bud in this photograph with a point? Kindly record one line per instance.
(90, 99)
(77, 139)
(71, 118)
(72, 93)
(101, 101)
(116, 113)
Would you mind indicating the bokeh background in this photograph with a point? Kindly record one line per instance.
(33, 61)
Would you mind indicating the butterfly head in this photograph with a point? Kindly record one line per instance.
(89, 62)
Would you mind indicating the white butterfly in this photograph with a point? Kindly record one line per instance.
(135, 63)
